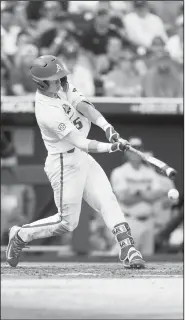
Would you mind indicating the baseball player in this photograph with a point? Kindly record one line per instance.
(64, 117)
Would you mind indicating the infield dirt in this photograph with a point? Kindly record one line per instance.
(91, 291)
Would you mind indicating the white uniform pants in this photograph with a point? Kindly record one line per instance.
(74, 176)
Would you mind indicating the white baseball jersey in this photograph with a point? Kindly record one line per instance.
(126, 177)
(57, 117)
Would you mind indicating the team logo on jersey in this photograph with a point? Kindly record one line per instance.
(59, 68)
(66, 108)
(62, 126)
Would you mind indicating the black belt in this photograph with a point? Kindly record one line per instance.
(71, 151)
(141, 218)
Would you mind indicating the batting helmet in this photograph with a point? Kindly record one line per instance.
(47, 68)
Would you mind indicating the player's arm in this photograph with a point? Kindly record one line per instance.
(86, 108)
(93, 115)
(92, 146)
(65, 130)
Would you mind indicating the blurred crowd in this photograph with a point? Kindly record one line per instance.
(112, 48)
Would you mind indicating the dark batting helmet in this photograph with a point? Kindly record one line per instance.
(47, 68)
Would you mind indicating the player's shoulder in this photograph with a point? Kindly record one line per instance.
(42, 99)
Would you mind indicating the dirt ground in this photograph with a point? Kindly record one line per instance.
(91, 291)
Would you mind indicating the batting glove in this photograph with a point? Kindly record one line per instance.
(120, 146)
(112, 135)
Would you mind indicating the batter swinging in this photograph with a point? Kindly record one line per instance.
(64, 116)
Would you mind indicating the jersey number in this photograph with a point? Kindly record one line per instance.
(78, 124)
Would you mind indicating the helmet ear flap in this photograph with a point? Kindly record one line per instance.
(43, 85)
(64, 83)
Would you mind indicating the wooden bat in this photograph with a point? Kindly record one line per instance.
(158, 164)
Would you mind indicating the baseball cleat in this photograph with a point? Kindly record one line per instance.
(134, 260)
(15, 246)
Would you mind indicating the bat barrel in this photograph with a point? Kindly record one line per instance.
(161, 166)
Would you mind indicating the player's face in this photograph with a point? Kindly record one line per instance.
(114, 48)
(134, 159)
(54, 86)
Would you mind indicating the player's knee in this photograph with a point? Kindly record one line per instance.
(69, 222)
(72, 226)
(65, 226)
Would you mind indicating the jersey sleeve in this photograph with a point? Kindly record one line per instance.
(75, 96)
(60, 124)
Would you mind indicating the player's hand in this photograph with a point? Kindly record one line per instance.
(111, 134)
(120, 146)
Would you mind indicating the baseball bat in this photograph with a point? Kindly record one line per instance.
(158, 164)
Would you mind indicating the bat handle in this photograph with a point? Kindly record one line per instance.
(170, 172)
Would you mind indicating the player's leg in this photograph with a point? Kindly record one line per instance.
(99, 195)
(67, 174)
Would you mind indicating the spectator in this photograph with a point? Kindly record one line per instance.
(9, 33)
(175, 45)
(51, 9)
(23, 41)
(167, 11)
(33, 10)
(142, 26)
(81, 70)
(81, 6)
(163, 79)
(94, 42)
(114, 51)
(136, 187)
(7, 149)
(121, 7)
(5, 76)
(20, 77)
(123, 80)
(156, 51)
(17, 207)
(43, 30)
(96, 37)
(64, 31)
